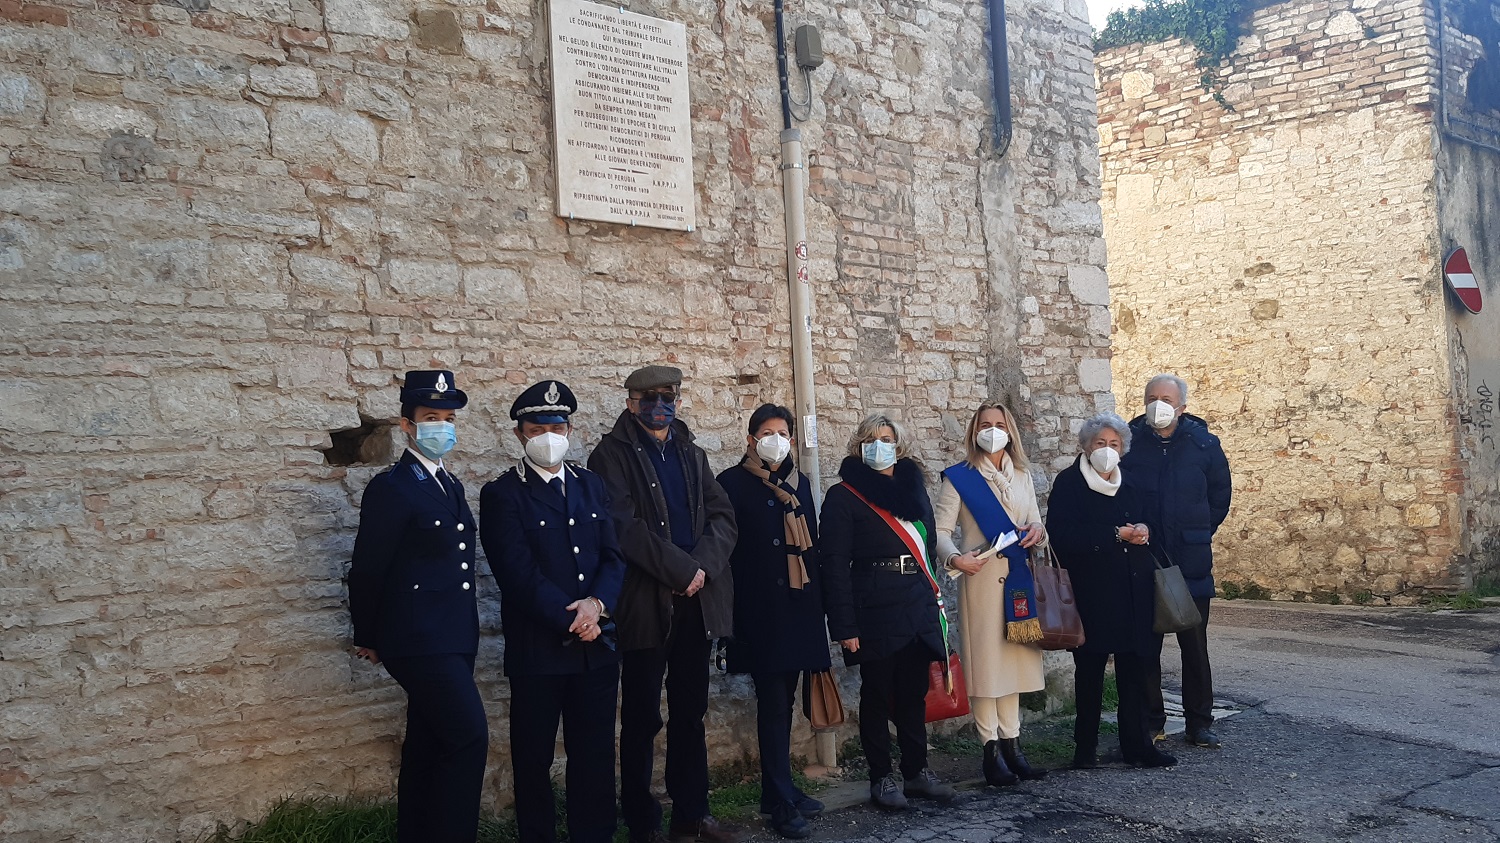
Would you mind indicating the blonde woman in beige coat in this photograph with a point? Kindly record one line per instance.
(997, 668)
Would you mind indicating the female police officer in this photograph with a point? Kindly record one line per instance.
(411, 599)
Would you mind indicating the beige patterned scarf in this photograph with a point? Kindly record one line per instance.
(798, 539)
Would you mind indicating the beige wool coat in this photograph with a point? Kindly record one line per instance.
(993, 666)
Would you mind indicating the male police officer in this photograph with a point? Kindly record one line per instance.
(677, 530)
(411, 598)
(551, 543)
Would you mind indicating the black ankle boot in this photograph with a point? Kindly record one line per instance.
(1010, 750)
(996, 774)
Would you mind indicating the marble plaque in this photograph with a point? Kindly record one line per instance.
(621, 117)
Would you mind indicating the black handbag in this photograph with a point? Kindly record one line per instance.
(1176, 610)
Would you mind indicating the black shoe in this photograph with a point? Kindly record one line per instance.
(1010, 750)
(996, 774)
(927, 786)
(1204, 738)
(1085, 759)
(808, 807)
(706, 830)
(1154, 757)
(788, 823)
(886, 794)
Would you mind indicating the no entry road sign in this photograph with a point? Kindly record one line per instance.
(1461, 278)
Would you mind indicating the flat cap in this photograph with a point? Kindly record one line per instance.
(653, 377)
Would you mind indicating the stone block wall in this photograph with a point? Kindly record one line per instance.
(226, 227)
(1282, 255)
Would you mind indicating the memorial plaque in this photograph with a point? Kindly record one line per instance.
(620, 116)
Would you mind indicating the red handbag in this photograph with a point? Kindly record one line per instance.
(941, 704)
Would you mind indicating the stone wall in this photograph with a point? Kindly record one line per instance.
(1283, 256)
(227, 226)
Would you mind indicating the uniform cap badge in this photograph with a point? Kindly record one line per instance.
(442, 383)
(552, 394)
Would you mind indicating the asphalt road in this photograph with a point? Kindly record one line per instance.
(1368, 725)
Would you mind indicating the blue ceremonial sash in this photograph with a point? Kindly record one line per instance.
(1021, 624)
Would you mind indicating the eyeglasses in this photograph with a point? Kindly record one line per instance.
(658, 397)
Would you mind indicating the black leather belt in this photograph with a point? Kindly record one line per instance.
(903, 564)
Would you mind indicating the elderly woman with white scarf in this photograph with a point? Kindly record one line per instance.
(1095, 514)
(987, 519)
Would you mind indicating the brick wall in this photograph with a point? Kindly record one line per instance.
(226, 226)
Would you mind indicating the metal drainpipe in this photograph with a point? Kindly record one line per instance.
(999, 77)
(799, 282)
(798, 279)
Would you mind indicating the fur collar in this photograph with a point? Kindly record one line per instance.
(904, 493)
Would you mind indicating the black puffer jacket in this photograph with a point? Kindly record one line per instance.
(884, 609)
(1184, 483)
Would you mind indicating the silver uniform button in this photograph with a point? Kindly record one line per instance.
(437, 523)
(466, 586)
(415, 587)
(463, 566)
(570, 522)
(462, 546)
(575, 548)
(460, 528)
(541, 523)
(580, 577)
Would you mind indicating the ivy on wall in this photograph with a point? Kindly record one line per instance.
(1213, 26)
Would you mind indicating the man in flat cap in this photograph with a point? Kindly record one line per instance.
(676, 527)
(551, 542)
(412, 603)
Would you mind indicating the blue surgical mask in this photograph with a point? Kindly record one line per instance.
(435, 439)
(879, 455)
(657, 415)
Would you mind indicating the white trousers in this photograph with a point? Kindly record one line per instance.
(997, 717)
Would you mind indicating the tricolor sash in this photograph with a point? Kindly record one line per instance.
(914, 535)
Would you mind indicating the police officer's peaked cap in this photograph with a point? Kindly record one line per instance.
(549, 402)
(435, 389)
(653, 377)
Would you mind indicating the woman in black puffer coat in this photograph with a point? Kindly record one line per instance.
(880, 602)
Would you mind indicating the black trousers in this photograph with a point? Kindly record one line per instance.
(683, 661)
(1088, 696)
(443, 756)
(1197, 680)
(774, 695)
(585, 702)
(894, 689)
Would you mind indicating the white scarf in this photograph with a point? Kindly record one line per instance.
(1001, 478)
(1096, 480)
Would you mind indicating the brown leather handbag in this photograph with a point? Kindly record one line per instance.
(821, 700)
(1062, 628)
(943, 704)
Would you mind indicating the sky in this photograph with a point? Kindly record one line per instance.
(1098, 9)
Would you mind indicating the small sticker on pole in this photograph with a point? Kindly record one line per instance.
(801, 250)
(810, 431)
(802, 273)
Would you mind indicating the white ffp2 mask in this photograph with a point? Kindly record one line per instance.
(1160, 414)
(1104, 460)
(992, 439)
(547, 449)
(773, 448)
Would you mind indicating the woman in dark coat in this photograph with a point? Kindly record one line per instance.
(778, 602)
(881, 605)
(1089, 517)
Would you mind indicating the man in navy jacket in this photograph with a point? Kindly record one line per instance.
(548, 534)
(411, 600)
(1180, 468)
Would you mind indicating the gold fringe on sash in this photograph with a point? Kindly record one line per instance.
(1028, 631)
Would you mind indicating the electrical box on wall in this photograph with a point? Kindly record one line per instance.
(809, 47)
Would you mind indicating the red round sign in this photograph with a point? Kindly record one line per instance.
(1461, 278)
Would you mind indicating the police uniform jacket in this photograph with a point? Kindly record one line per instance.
(656, 566)
(411, 582)
(547, 551)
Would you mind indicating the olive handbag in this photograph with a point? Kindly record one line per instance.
(1176, 611)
